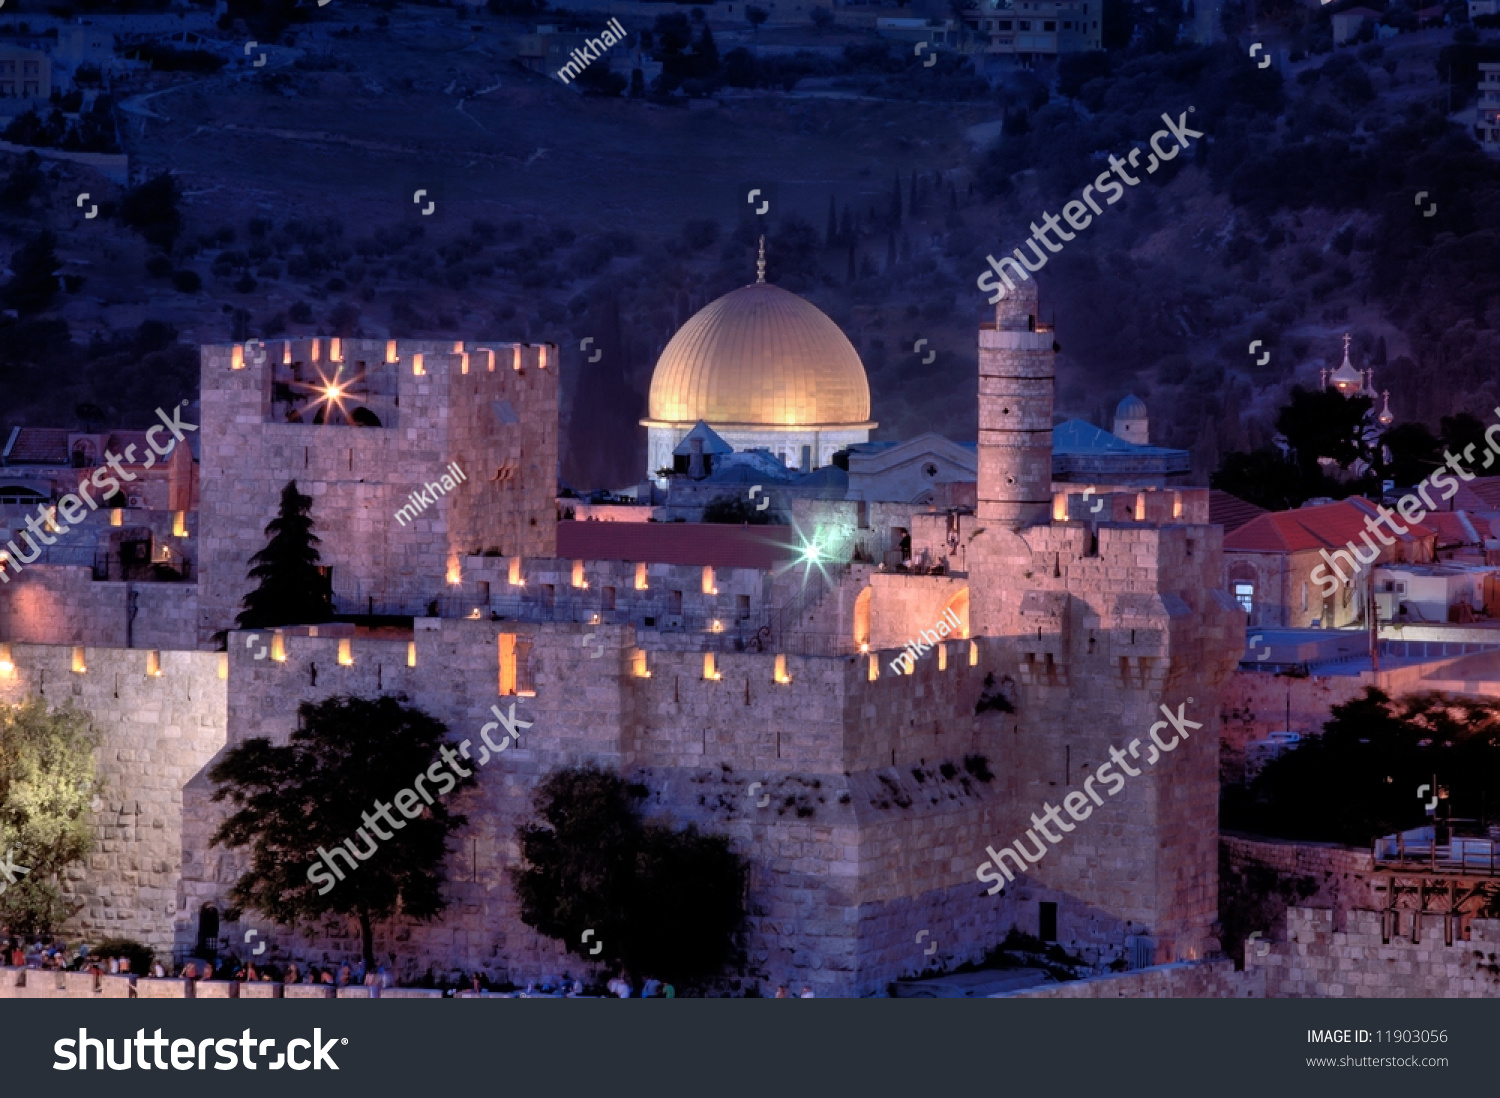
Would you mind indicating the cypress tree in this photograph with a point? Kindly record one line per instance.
(292, 591)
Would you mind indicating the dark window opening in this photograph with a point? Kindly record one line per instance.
(1047, 921)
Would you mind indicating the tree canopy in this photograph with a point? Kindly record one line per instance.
(659, 902)
(292, 591)
(47, 785)
(320, 790)
(1373, 753)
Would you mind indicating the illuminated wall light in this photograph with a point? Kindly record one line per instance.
(640, 578)
(578, 580)
(491, 351)
(541, 357)
(237, 357)
(52, 520)
(1176, 504)
(223, 665)
(710, 671)
(286, 352)
(507, 663)
(516, 362)
(874, 667)
(390, 351)
(179, 524)
(942, 657)
(411, 653)
(638, 662)
(278, 647)
(464, 363)
(7, 661)
(458, 346)
(1140, 507)
(973, 654)
(346, 653)
(335, 350)
(716, 627)
(781, 675)
(117, 516)
(1060, 508)
(78, 662)
(416, 366)
(708, 582)
(153, 663)
(455, 572)
(516, 579)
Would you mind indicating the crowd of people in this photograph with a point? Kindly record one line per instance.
(55, 956)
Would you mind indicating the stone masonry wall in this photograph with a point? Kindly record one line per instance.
(63, 604)
(1196, 980)
(499, 426)
(1317, 961)
(157, 732)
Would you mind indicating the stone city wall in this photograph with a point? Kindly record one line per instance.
(157, 731)
(54, 604)
(1316, 961)
(1215, 979)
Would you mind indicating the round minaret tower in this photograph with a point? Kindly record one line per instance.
(1015, 413)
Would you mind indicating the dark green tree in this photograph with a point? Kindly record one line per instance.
(1263, 477)
(34, 283)
(1414, 452)
(659, 902)
(151, 208)
(1323, 424)
(1375, 751)
(756, 16)
(1459, 431)
(292, 591)
(324, 788)
(47, 781)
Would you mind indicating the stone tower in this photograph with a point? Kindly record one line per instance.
(1015, 413)
(405, 409)
(1131, 421)
(1099, 610)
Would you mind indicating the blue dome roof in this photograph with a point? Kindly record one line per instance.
(1132, 407)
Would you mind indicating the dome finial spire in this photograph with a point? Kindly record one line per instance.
(760, 264)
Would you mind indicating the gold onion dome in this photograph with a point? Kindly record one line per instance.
(760, 357)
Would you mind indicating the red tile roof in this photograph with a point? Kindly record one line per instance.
(49, 446)
(1453, 528)
(1324, 526)
(38, 446)
(1479, 494)
(1230, 512)
(720, 546)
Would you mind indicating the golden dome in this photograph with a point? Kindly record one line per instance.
(760, 357)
